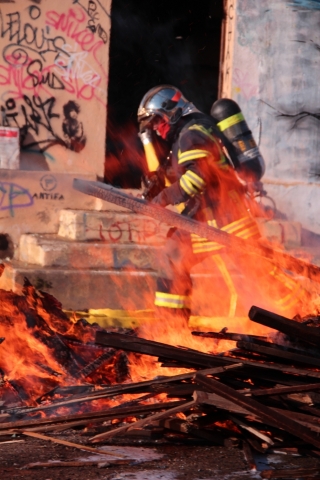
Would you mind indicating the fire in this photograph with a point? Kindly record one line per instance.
(43, 349)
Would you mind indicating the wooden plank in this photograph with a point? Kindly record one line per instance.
(78, 463)
(183, 426)
(143, 422)
(291, 473)
(148, 347)
(116, 412)
(249, 455)
(218, 401)
(281, 390)
(183, 222)
(273, 351)
(234, 337)
(285, 325)
(266, 414)
(137, 387)
(221, 403)
(157, 349)
(70, 444)
(252, 430)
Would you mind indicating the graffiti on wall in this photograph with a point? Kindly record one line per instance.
(14, 197)
(306, 4)
(51, 68)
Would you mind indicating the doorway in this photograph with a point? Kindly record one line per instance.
(151, 43)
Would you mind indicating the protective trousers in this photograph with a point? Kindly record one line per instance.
(264, 284)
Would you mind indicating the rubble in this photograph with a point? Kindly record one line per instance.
(261, 396)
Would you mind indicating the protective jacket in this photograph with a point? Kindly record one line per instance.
(206, 179)
(208, 183)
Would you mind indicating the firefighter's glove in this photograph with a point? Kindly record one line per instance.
(256, 188)
(153, 183)
(161, 199)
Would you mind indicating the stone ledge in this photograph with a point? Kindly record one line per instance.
(120, 290)
(282, 232)
(111, 226)
(52, 251)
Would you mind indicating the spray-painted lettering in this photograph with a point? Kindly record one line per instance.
(73, 25)
(139, 231)
(31, 116)
(13, 197)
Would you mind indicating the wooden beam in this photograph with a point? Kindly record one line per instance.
(291, 328)
(145, 421)
(157, 349)
(273, 351)
(110, 413)
(260, 392)
(266, 414)
(70, 444)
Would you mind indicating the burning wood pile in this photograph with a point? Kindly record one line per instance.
(263, 394)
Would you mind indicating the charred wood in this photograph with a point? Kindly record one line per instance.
(266, 414)
(83, 418)
(235, 337)
(292, 328)
(145, 421)
(273, 351)
(98, 362)
(291, 473)
(148, 347)
(282, 390)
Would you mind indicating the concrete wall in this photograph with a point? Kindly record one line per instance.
(55, 55)
(53, 87)
(273, 73)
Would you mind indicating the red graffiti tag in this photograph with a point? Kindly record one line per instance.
(74, 25)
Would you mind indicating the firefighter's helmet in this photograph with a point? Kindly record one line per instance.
(165, 101)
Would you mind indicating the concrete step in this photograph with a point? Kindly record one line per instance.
(53, 251)
(83, 289)
(111, 226)
(128, 227)
(282, 232)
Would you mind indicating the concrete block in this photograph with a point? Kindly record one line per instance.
(82, 289)
(52, 251)
(112, 227)
(85, 288)
(31, 201)
(283, 232)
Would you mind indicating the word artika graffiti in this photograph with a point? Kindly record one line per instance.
(34, 116)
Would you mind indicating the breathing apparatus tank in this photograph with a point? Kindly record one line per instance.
(231, 122)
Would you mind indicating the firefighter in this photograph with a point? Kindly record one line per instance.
(205, 182)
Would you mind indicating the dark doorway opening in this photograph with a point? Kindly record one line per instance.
(156, 42)
(6, 246)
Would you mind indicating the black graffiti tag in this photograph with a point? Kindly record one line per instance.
(37, 114)
(93, 22)
(25, 38)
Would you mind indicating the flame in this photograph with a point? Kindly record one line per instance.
(34, 324)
